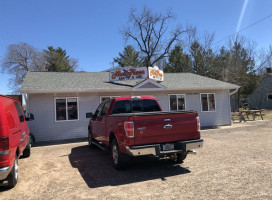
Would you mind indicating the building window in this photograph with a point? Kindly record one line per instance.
(177, 101)
(208, 102)
(104, 98)
(66, 109)
(269, 97)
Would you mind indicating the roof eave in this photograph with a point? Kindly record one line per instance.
(204, 88)
(73, 90)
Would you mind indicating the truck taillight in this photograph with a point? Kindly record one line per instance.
(4, 143)
(198, 124)
(129, 129)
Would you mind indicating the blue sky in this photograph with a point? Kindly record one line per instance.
(89, 30)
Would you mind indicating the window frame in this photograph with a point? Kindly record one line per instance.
(169, 106)
(66, 104)
(208, 103)
(111, 97)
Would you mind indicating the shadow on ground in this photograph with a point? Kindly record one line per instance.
(96, 168)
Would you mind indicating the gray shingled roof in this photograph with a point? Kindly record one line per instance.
(88, 81)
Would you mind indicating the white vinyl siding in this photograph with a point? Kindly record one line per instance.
(45, 128)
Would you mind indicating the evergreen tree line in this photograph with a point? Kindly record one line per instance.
(235, 64)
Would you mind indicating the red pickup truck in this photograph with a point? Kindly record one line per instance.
(137, 126)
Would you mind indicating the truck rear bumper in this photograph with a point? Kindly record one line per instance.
(4, 172)
(163, 149)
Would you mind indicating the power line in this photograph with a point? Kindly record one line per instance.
(243, 29)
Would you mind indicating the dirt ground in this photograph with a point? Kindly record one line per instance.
(234, 163)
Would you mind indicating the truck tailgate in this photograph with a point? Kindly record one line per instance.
(161, 128)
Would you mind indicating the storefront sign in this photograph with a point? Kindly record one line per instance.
(128, 73)
(155, 73)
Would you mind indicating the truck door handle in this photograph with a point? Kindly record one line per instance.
(167, 120)
(168, 126)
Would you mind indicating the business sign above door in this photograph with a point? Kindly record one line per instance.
(155, 73)
(128, 73)
(131, 73)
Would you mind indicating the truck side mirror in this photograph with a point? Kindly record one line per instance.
(29, 117)
(89, 115)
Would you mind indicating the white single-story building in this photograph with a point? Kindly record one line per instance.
(60, 100)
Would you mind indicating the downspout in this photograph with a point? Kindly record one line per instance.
(26, 100)
(231, 93)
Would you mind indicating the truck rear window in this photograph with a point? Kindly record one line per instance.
(132, 106)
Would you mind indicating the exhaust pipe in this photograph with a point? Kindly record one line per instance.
(191, 152)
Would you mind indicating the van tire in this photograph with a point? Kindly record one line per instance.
(31, 139)
(27, 150)
(119, 160)
(13, 176)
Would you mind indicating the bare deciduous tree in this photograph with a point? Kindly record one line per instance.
(152, 35)
(20, 59)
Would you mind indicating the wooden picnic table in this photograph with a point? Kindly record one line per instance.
(253, 113)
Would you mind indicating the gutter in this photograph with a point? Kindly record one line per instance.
(233, 92)
(127, 90)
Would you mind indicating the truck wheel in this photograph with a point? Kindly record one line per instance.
(181, 157)
(90, 139)
(119, 160)
(13, 176)
(27, 150)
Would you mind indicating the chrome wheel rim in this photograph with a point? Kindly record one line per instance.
(16, 167)
(115, 154)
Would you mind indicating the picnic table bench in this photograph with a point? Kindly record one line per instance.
(246, 113)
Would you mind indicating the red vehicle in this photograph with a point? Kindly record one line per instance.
(14, 138)
(137, 126)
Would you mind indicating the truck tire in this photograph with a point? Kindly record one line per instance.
(181, 157)
(119, 160)
(27, 150)
(90, 139)
(13, 176)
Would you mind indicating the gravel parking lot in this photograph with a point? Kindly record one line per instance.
(234, 163)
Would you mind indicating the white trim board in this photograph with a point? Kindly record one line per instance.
(159, 87)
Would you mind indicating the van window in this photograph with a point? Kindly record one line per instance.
(20, 112)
